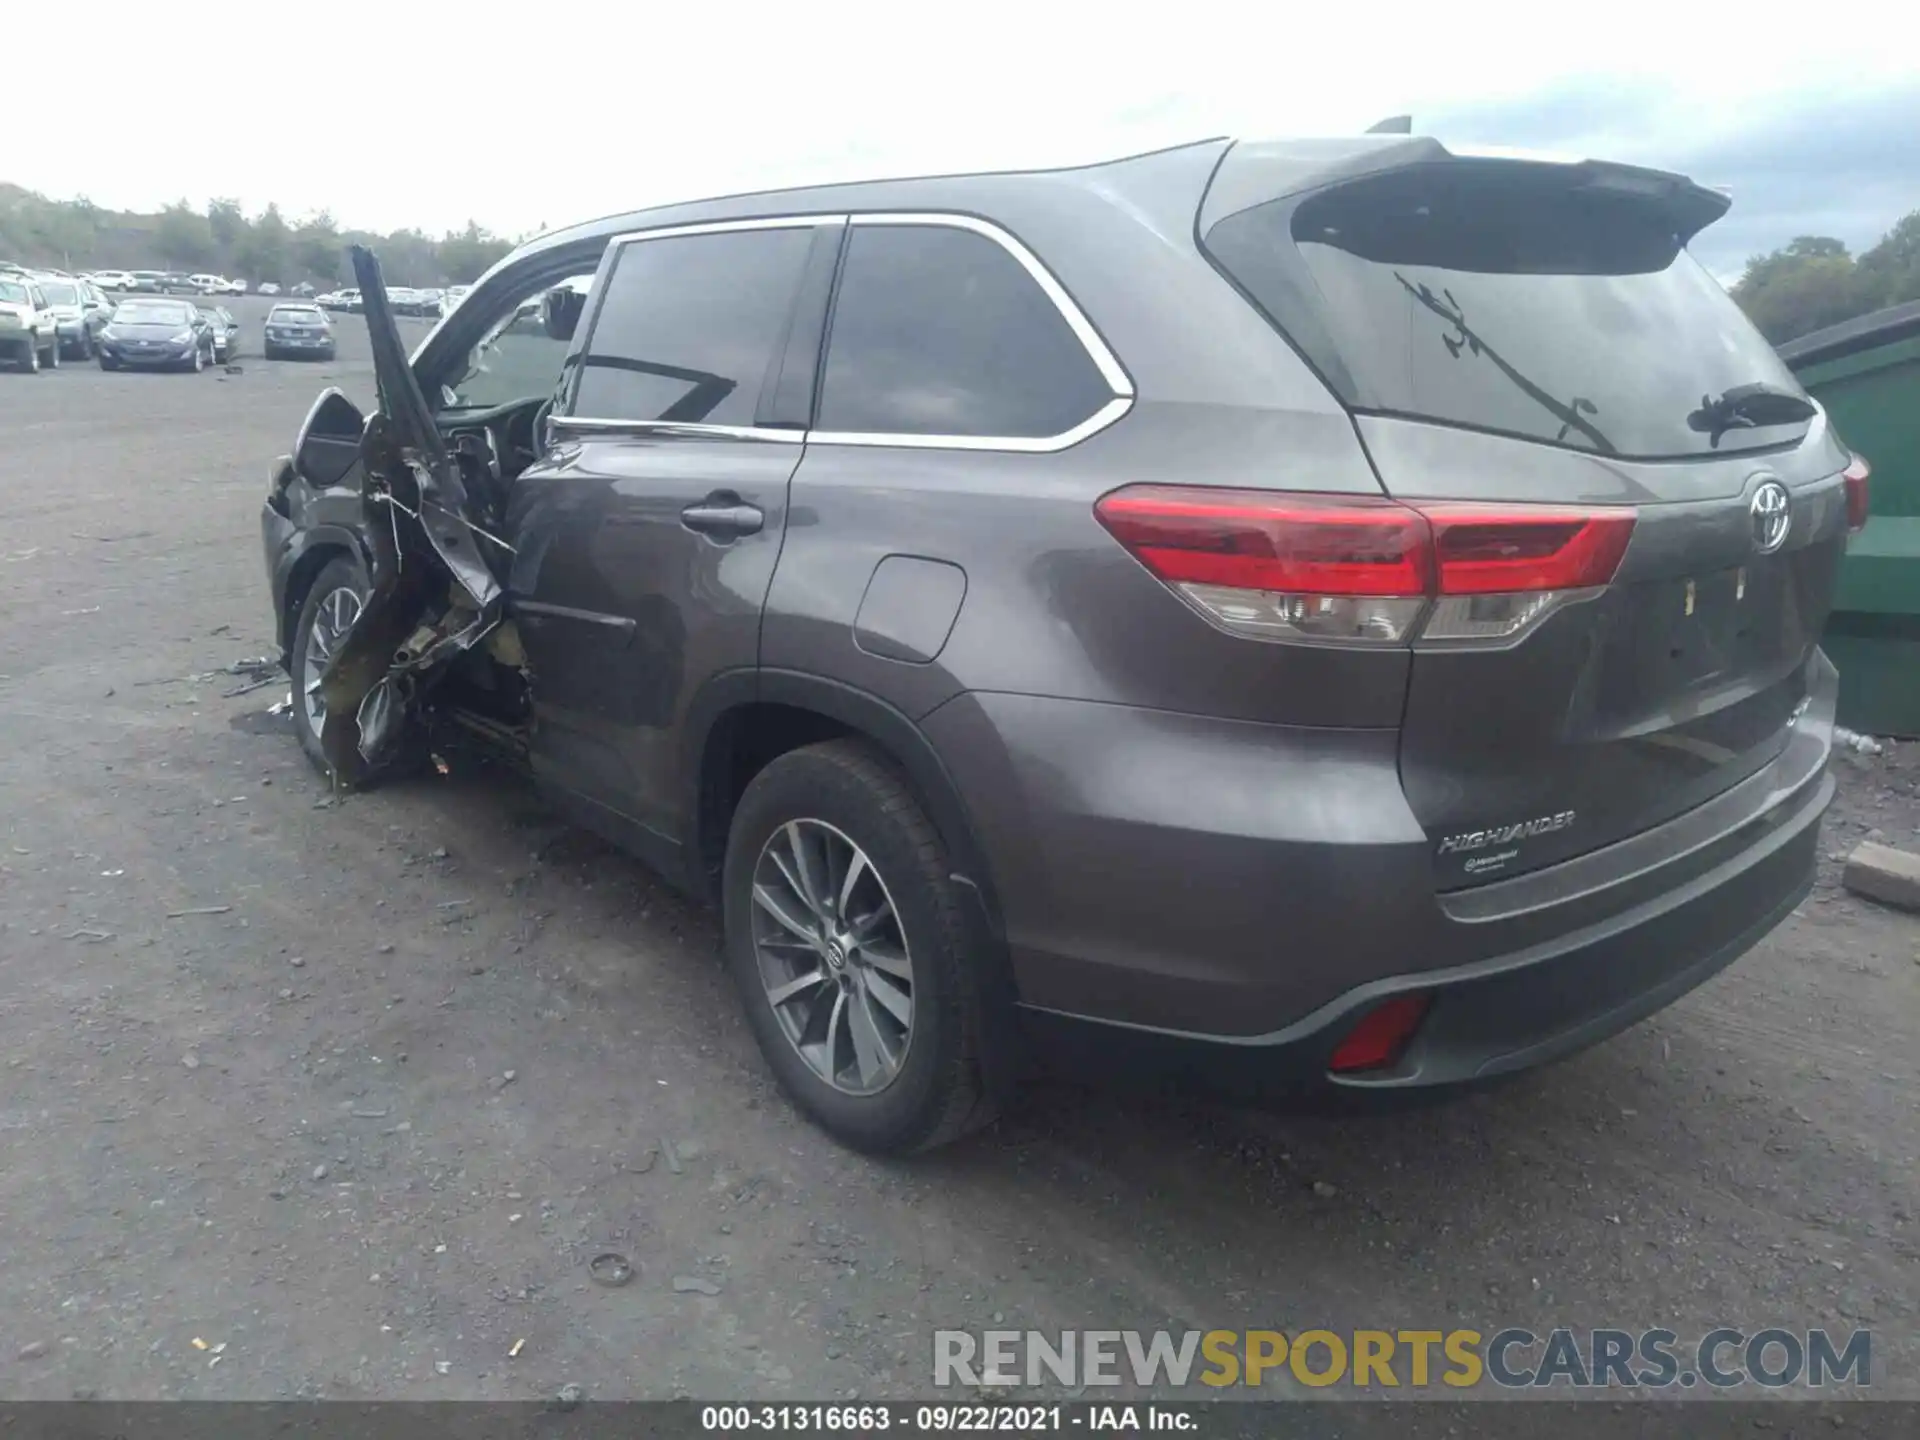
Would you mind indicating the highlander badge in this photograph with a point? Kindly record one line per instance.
(1502, 834)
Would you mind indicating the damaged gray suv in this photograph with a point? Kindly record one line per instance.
(1333, 616)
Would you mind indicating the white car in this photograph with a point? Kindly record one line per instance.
(235, 287)
(268, 287)
(29, 330)
(208, 284)
(110, 279)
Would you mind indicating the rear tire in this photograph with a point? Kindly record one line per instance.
(107, 363)
(843, 798)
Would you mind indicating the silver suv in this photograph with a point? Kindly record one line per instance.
(1332, 616)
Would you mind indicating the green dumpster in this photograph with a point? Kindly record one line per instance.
(1866, 373)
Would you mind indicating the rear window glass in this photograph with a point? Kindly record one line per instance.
(58, 293)
(1515, 298)
(290, 315)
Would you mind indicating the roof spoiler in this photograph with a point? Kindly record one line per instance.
(1392, 125)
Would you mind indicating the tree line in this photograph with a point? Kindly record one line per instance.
(1813, 282)
(1805, 285)
(223, 239)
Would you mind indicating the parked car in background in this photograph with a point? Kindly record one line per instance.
(298, 331)
(29, 331)
(455, 294)
(112, 279)
(207, 284)
(304, 290)
(269, 287)
(225, 330)
(80, 311)
(147, 282)
(234, 287)
(159, 333)
(418, 303)
(344, 300)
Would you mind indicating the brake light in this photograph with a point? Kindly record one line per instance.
(1342, 569)
(1854, 477)
(1381, 1034)
(1253, 540)
(1496, 549)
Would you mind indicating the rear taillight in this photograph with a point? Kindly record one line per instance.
(1345, 569)
(1855, 479)
(1308, 567)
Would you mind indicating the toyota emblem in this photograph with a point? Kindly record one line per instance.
(1772, 511)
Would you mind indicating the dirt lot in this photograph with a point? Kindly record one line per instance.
(361, 1131)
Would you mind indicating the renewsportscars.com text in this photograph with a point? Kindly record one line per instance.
(1725, 1358)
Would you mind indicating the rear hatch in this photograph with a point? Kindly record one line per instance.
(1635, 515)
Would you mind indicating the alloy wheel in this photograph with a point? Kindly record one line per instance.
(331, 620)
(832, 956)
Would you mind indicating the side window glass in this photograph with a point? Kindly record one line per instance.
(940, 331)
(690, 327)
(517, 360)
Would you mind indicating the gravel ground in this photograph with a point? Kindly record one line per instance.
(360, 1128)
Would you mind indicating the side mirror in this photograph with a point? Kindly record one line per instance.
(329, 444)
(560, 312)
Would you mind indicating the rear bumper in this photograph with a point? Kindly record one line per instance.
(1506, 1014)
(1240, 955)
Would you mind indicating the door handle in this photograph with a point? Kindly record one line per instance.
(723, 517)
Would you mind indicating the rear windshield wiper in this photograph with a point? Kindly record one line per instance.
(1745, 407)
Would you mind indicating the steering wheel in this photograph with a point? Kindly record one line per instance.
(538, 437)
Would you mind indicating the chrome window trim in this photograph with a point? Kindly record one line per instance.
(721, 227)
(1097, 350)
(595, 425)
(1025, 444)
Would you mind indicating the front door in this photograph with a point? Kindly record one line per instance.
(645, 538)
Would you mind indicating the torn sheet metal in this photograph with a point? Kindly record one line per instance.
(434, 595)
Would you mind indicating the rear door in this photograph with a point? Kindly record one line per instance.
(647, 535)
(1636, 514)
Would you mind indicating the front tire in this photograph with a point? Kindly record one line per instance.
(847, 940)
(53, 353)
(29, 362)
(331, 605)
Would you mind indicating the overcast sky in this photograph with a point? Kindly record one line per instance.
(491, 115)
